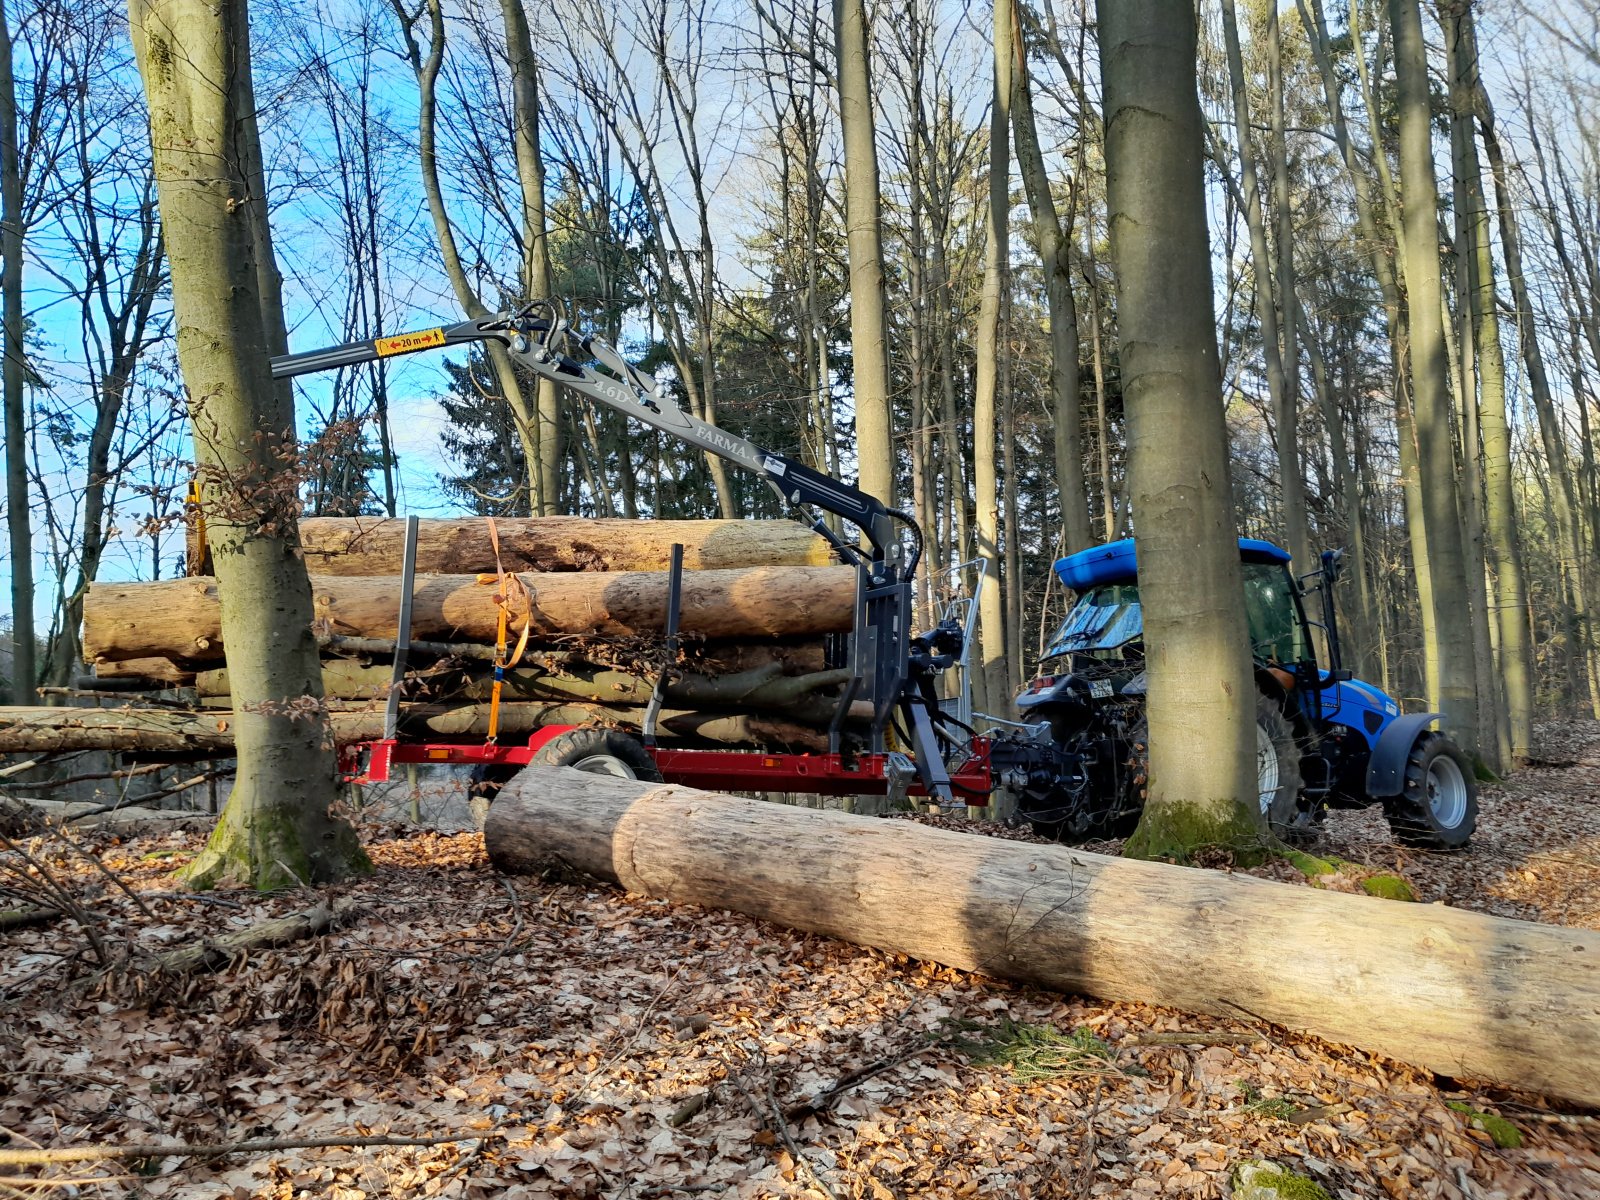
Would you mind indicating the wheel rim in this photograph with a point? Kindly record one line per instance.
(605, 764)
(1447, 791)
(1266, 769)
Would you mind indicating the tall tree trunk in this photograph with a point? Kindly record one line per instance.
(1457, 695)
(13, 382)
(1055, 254)
(1514, 654)
(1266, 310)
(1201, 703)
(276, 832)
(985, 411)
(536, 282)
(1296, 528)
(1374, 220)
(426, 68)
(869, 330)
(1569, 537)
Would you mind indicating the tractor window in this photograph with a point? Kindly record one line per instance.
(1275, 631)
(1102, 619)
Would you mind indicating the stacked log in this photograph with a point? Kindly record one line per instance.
(758, 603)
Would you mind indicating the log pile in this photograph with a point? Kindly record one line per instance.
(759, 603)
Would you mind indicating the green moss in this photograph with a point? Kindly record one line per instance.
(271, 845)
(1035, 1051)
(1505, 1135)
(1308, 865)
(1268, 1181)
(1178, 832)
(1388, 887)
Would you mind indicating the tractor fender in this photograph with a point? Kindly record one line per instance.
(1386, 770)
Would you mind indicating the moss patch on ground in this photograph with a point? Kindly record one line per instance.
(1268, 1181)
(1506, 1135)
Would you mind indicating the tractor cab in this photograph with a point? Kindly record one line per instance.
(1324, 738)
(1105, 626)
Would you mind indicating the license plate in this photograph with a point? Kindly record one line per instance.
(1100, 689)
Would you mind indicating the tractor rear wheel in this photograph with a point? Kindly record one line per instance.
(1437, 808)
(1277, 770)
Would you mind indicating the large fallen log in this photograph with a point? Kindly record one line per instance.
(208, 733)
(181, 618)
(1460, 993)
(462, 546)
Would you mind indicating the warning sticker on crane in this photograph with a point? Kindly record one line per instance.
(405, 343)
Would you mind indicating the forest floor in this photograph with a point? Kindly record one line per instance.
(572, 1041)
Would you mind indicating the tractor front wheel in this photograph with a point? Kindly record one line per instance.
(1437, 808)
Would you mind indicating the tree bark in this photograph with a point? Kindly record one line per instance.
(1055, 255)
(181, 618)
(992, 658)
(1284, 408)
(194, 57)
(13, 380)
(1457, 687)
(869, 337)
(461, 545)
(1467, 995)
(1201, 702)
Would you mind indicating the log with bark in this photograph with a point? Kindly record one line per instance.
(181, 619)
(1457, 992)
(763, 689)
(462, 545)
(208, 733)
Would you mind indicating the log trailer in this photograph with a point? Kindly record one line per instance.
(893, 673)
(1076, 762)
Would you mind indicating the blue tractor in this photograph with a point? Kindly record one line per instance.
(1078, 764)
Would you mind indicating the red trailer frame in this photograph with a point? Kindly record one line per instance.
(729, 770)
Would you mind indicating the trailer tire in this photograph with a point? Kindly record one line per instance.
(1437, 808)
(599, 752)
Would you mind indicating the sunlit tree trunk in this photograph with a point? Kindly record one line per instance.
(985, 410)
(1055, 254)
(13, 382)
(1201, 701)
(869, 338)
(276, 831)
(1457, 686)
(536, 282)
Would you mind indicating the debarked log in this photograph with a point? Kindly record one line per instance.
(463, 546)
(1460, 993)
(182, 619)
(209, 732)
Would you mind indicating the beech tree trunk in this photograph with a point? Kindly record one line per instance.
(1463, 994)
(869, 336)
(1457, 685)
(461, 545)
(1201, 704)
(194, 59)
(181, 619)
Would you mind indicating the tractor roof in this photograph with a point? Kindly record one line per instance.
(1115, 562)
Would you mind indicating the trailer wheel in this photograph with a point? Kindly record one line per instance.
(599, 752)
(1437, 808)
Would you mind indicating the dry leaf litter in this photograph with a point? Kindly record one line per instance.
(584, 1043)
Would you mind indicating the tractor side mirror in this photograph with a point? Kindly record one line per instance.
(1332, 565)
